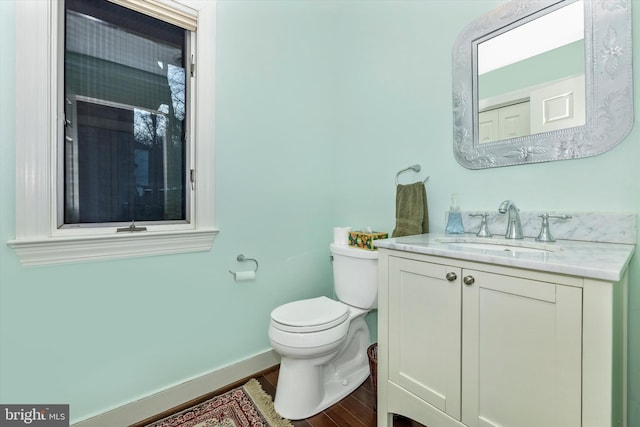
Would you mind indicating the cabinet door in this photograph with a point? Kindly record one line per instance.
(424, 331)
(521, 344)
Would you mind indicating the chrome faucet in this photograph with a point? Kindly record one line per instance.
(514, 228)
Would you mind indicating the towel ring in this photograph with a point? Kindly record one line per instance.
(415, 168)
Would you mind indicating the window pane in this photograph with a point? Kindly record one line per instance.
(125, 105)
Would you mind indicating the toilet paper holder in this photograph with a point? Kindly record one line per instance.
(242, 258)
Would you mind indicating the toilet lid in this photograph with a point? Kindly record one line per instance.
(310, 315)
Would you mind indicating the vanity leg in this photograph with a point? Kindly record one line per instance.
(385, 419)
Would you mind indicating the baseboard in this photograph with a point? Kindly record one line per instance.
(174, 396)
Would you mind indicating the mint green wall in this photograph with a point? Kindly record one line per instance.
(100, 335)
(319, 104)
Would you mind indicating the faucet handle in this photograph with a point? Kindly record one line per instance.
(545, 233)
(484, 229)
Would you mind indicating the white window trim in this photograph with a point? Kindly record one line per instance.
(38, 240)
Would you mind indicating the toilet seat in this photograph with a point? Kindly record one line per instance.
(309, 315)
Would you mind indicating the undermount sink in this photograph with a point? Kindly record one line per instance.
(498, 245)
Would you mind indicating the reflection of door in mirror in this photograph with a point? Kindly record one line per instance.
(558, 105)
(531, 78)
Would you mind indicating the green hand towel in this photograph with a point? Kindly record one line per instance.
(412, 215)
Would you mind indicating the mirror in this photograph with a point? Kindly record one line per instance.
(546, 65)
(537, 81)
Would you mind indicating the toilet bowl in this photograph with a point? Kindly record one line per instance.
(323, 342)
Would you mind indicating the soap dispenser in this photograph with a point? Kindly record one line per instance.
(454, 220)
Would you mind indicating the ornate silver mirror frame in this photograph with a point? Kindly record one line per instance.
(608, 81)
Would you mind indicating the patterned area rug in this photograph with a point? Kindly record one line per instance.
(245, 406)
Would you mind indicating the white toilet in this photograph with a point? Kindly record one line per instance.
(322, 342)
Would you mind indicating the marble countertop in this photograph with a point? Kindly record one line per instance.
(605, 261)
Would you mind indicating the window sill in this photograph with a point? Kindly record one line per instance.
(61, 250)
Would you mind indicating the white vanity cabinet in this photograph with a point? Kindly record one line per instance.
(521, 364)
(463, 343)
(424, 332)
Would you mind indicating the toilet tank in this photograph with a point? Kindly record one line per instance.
(355, 276)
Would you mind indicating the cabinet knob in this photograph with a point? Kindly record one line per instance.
(451, 276)
(468, 280)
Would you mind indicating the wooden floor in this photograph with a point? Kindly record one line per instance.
(356, 410)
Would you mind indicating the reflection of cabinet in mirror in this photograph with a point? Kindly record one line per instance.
(464, 343)
(553, 106)
(505, 122)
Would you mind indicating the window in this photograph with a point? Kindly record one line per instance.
(125, 151)
(126, 134)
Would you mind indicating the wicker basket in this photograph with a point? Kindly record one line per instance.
(372, 352)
